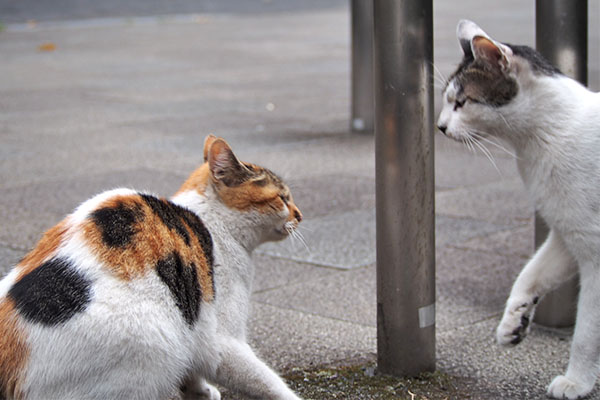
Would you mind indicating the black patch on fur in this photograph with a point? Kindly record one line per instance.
(52, 293)
(203, 236)
(180, 219)
(170, 214)
(182, 281)
(117, 223)
(538, 63)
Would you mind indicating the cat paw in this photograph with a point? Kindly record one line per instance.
(565, 388)
(202, 391)
(515, 323)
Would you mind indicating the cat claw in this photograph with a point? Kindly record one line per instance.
(565, 388)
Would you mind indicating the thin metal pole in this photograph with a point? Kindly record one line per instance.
(404, 186)
(363, 103)
(561, 37)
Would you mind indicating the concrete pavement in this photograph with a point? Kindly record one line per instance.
(127, 101)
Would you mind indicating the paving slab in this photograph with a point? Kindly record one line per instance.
(286, 338)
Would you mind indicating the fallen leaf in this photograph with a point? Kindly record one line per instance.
(47, 47)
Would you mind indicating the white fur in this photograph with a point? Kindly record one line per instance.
(554, 126)
(131, 342)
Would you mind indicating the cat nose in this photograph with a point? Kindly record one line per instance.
(297, 215)
(442, 128)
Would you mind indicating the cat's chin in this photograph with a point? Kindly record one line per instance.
(280, 233)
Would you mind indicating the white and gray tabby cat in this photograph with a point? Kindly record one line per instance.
(132, 296)
(553, 123)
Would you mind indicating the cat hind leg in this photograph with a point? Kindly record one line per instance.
(584, 366)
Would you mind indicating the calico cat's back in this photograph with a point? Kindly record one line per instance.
(111, 241)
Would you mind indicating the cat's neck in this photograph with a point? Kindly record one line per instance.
(225, 225)
(556, 137)
(552, 113)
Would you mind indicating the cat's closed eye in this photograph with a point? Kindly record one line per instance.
(459, 104)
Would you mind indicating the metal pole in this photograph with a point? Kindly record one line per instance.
(561, 37)
(363, 103)
(404, 186)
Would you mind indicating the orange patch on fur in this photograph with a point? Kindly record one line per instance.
(151, 240)
(45, 249)
(197, 181)
(14, 351)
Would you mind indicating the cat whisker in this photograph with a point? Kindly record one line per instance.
(441, 78)
(488, 154)
(479, 136)
(296, 235)
(504, 119)
(467, 142)
(305, 228)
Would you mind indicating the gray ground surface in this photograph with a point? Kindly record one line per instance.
(125, 101)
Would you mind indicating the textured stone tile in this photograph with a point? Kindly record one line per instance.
(520, 372)
(502, 202)
(287, 338)
(272, 272)
(345, 240)
(343, 295)
(472, 285)
(516, 241)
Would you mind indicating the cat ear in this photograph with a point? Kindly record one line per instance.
(465, 31)
(487, 50)
(224, 165)
(475, 43)
(207, 142)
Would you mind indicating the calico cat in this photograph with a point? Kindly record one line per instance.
(553, 123)
(133, 296)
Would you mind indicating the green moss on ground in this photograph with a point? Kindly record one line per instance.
(363, 382)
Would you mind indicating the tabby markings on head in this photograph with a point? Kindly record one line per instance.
(131, 233)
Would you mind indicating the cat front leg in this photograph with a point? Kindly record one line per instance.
(584, 360)
(241, 370)
(551, 265)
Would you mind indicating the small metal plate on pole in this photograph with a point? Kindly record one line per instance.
(403, 64)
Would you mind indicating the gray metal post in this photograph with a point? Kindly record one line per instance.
(363, 103)
(561, 37)
(404, 186)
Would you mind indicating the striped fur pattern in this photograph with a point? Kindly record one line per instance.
(133, 296)
(511, 93)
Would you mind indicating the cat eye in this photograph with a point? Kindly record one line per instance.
(458, 104)
(283, 198)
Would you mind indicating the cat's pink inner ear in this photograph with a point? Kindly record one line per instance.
(207, 143)
(224, 165)
(486, 49)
